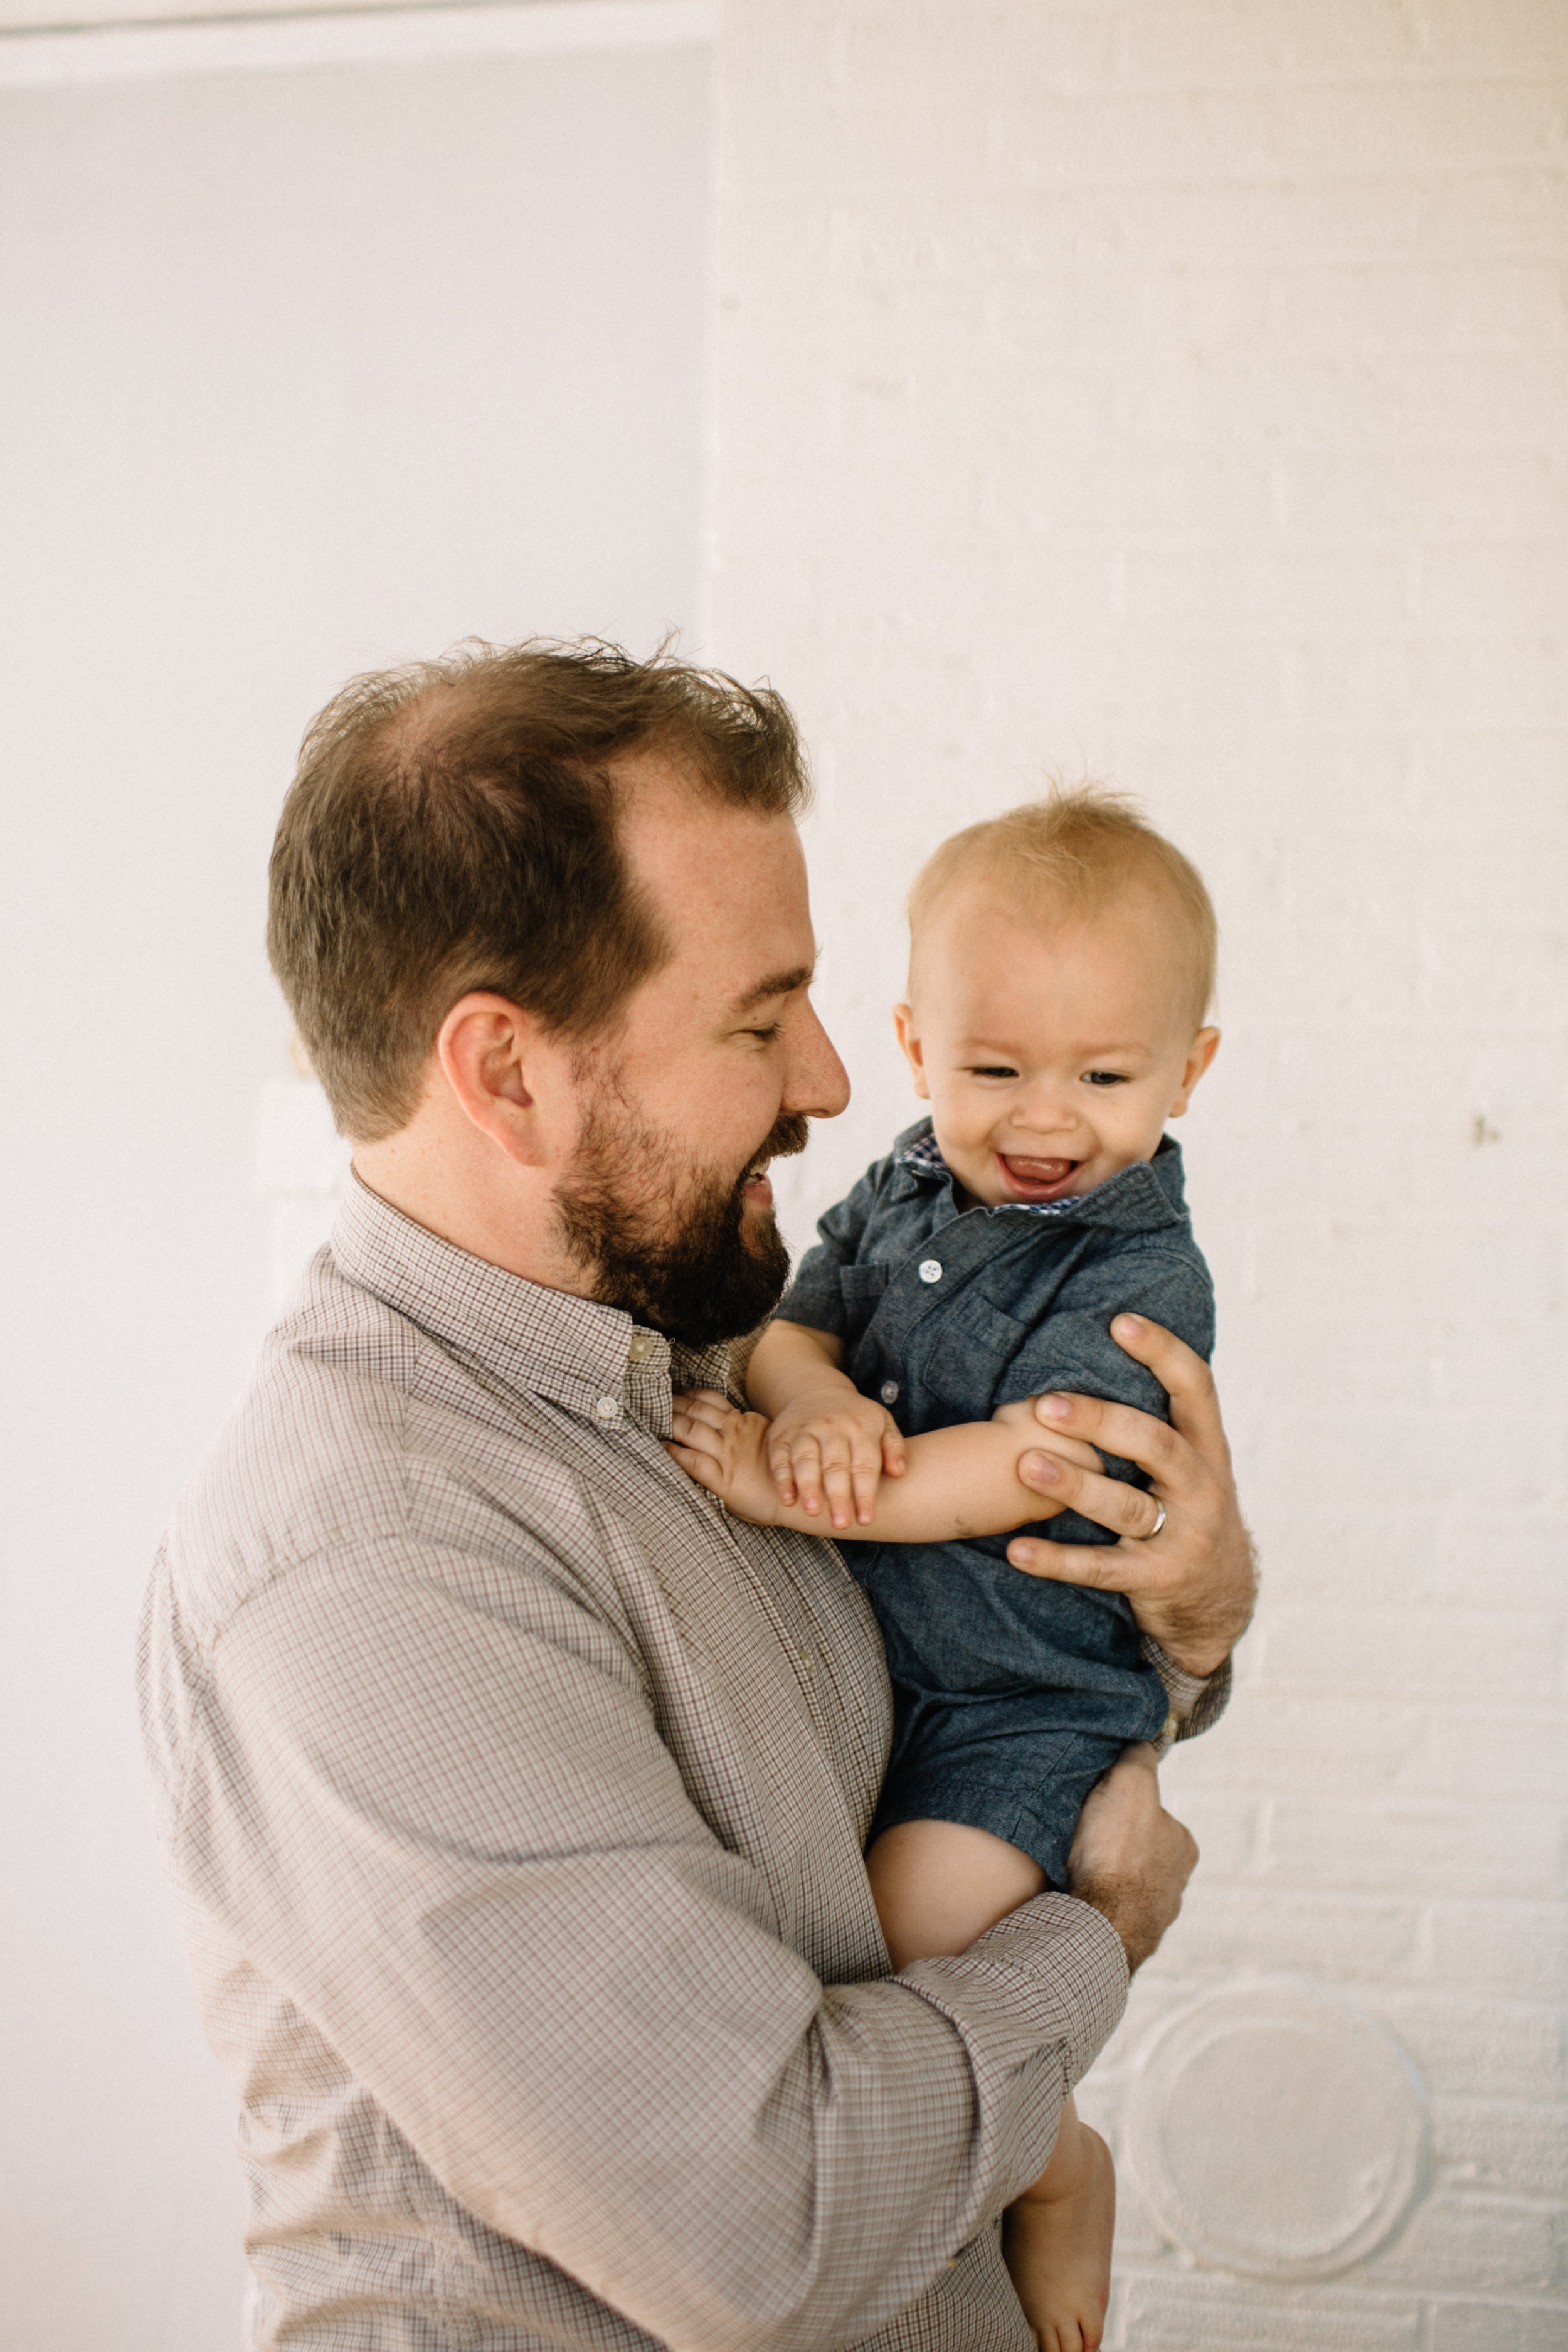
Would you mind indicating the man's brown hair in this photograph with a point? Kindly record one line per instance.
(453, 825)
(1068, 854)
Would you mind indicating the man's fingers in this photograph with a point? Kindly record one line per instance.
(1186, 1379)
(1122, 1428)
(1109, 1502)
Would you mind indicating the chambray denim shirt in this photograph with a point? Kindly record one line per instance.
(947, 1311)
(1012, 1693)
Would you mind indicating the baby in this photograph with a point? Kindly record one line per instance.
(1061, 967)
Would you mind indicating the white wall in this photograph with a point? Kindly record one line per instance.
(302, 373)
(1178, 390)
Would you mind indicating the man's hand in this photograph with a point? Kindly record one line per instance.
(1193, 1586)
(1131, 1859)
(833, 1446)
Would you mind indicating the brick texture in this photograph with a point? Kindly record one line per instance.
(1177, 391)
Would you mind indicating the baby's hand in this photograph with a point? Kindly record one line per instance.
(723, 1451)
(831, 1444)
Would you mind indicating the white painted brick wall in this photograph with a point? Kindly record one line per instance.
(1178, 390)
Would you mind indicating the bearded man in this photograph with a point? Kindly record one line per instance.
(514, 1794)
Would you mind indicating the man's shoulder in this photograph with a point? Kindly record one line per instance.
(358, 1437)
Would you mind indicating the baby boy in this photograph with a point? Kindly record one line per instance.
(1061, 967)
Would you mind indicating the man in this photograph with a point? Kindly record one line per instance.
(515, 1795)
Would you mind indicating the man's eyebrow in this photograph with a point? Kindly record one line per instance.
(777, 984)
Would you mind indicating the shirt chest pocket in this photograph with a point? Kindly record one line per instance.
(961, 1355)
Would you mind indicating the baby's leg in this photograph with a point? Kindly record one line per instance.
(1056, 2239)
(937, 1885)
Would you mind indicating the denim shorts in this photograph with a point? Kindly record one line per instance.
(1012, 1695)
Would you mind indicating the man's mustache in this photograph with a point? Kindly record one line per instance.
(790, 1133)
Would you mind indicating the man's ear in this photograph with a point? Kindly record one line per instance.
(909, 1038)
(1205, 1046)
(488, 1049)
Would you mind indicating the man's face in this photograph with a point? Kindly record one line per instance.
(717, 1064)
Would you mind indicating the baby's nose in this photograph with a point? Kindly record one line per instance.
(1047, 1114)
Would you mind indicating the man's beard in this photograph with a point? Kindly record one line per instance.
(701, 1277)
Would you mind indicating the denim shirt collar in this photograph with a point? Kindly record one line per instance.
(1136, 1200)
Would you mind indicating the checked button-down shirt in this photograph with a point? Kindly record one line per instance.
(514, 1795)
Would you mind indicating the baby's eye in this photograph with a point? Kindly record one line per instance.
(993, 1070)
(1105, 1077)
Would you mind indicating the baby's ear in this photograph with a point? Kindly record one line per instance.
(904, 1022)
(1205, 1046)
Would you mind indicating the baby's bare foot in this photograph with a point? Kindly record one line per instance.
(1058, 2252)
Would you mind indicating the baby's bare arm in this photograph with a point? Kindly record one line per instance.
(828, 1444)
(790, 1359)
(957, 1482)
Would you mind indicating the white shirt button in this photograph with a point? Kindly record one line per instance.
(931, 1269)
(609, 1408)
(889, 1393)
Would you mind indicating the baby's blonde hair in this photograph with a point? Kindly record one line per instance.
(1070, 853)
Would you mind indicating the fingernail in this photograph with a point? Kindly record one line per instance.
(1045, 1467)
(1054, 1408)
(1128, 1325)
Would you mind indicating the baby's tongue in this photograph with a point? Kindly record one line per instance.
(1038, 1171)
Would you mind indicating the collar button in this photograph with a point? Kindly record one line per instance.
(931, 1269)
(609, 1408)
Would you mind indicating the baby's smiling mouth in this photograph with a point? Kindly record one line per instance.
(1029, 1178)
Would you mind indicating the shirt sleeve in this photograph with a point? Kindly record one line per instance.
(816, 1295)
(429, 1797)
(1072, 1348)
(1196, 1701)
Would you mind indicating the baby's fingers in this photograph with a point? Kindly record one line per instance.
(705, 1468)
(866, 1478)
(796, 1466)
(839, 1485)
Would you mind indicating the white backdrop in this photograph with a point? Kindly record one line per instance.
(302, 372)
(1179, 390)
(1165, 387)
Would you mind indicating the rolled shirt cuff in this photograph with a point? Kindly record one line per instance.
(1034, 1998)
(1196, 1702)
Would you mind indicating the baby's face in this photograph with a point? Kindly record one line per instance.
(1052, 1051)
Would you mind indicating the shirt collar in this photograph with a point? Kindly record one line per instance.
(529, 1339)
(1139, 1199)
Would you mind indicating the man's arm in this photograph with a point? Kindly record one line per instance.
(434, 1807)
(1193, 1585)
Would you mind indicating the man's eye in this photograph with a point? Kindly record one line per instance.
(767, 1035)
(1106, 1078)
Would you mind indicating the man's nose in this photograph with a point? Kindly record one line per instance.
(815, 1081)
